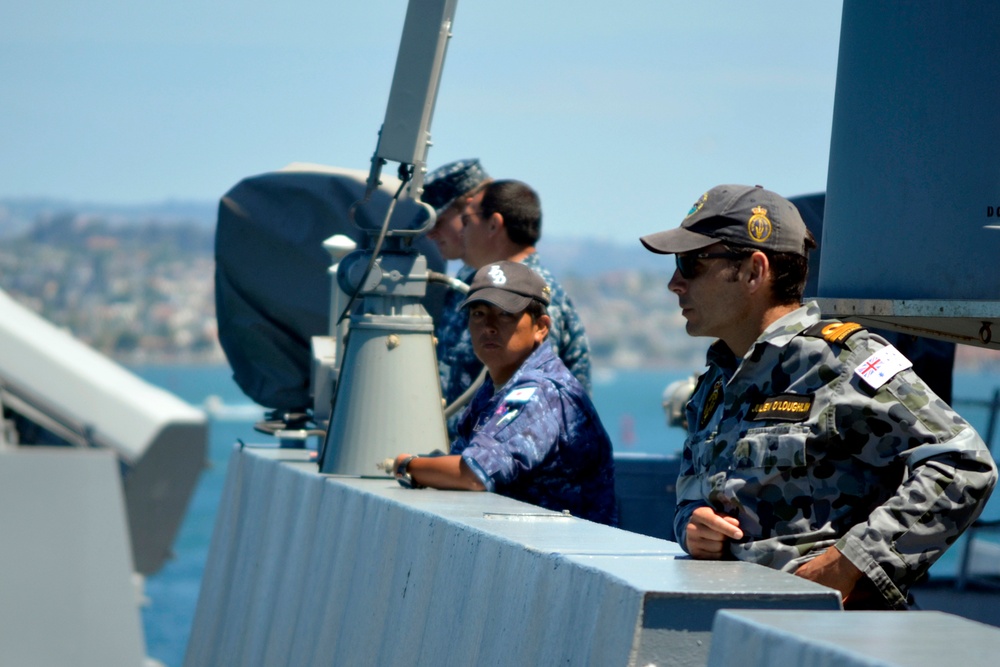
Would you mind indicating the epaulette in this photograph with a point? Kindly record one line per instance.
(833, 332)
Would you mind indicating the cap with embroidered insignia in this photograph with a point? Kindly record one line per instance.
(509, 286)
(741, 215)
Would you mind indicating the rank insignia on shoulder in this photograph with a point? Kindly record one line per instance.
(522, 395)
(882, 366)
(783, 407)
(833, 332)
(711, 403)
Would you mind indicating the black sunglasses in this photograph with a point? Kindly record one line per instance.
(687, 263)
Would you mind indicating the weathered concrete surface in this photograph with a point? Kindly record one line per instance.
(755, 638)
(308, 569)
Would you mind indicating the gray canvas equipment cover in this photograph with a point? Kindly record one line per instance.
(272, 286)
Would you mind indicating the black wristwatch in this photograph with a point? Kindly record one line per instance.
(404, 478)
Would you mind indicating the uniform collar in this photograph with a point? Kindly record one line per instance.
(787, 327)
(532, 260)
(779, 333)
(541, 354)
(465, 273)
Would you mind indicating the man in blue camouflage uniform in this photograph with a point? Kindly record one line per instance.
(447, 190)
(531, 432)
(502, 221)
(508, 229)
(812, 446)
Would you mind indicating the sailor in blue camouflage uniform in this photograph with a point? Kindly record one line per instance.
(812, 446)
(507, 229)
(447, 190)
(457, 362)
(566, 335)
(531, 432)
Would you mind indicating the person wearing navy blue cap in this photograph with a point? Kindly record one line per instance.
(531, 432)
(446, 190)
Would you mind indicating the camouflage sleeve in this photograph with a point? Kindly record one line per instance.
(570, 340)
(567, 335)
(688, 489)
(949, 474)
(516, 438)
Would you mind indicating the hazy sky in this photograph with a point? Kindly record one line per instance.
(619, 114)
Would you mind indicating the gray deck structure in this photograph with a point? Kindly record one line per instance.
(754, 638)
(311, 569)
(67, 592)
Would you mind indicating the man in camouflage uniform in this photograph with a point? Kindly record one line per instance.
(502, 221)
(531, 432)
(812, 446)
(447, 189)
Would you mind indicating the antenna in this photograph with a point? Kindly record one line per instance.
(387, 398)
(405, 133)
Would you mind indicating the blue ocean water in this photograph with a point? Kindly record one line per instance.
(173, 591)
(629, 403)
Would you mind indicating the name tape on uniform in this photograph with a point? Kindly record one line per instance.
(783, 407)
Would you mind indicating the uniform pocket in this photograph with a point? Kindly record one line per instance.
(772, 449)
(698, 456)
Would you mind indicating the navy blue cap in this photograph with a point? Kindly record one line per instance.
(449, 182)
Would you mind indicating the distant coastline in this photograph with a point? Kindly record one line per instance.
(968, 359)
(137, 283)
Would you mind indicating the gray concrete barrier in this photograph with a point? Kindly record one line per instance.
(310, 569)
(755, 638)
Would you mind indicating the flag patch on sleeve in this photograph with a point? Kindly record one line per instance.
(882, 366)
(522, 395)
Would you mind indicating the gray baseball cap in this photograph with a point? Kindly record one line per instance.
(449, 182)
(742, 215)
(509, 286)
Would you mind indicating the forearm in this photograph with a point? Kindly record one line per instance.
(832, 569)
(689, 499)
(951, 488)
(444, 472)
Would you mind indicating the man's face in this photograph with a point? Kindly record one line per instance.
(712, 300)
(475, 237)
(503, 340)
(447, 231)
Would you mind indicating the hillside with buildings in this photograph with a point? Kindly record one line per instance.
(136, 283)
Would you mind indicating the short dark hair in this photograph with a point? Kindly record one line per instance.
(536, 309)
(790, 270)
(520, 207)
